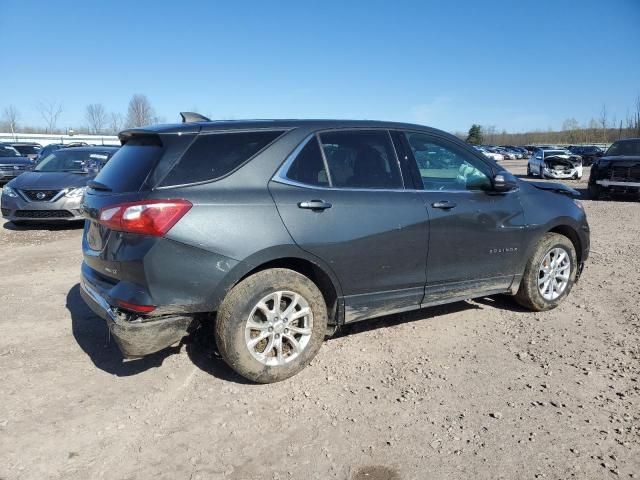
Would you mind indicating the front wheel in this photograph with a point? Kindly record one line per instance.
(271, 325)
(541, 173)
(529, 172)
(549, 274)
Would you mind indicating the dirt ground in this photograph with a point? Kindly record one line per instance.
(477, 389)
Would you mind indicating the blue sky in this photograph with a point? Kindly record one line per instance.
(518, 65)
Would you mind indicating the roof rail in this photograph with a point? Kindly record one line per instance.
(192, 117)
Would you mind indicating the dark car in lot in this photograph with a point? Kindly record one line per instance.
(52, 147)
(617, 171)
(12, 163)
(27, 149)
(53, 190)
(280, 231)
(589, 153)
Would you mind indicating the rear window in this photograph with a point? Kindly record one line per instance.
(130, 165)
(214, 155)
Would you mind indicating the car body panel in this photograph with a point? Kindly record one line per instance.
(383, 251)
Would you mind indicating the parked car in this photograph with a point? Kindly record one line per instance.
(589, 153)
(506, 154)
(618, 170)
(27, 149)
(513, 151)
(284, 230)
(52, 147)
(53, 190)
(554, 163)
(12, 163)
(492, 153)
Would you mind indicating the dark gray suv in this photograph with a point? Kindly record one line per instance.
(277, 232)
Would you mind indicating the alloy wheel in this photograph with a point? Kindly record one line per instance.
(554, 273)
(279, 328)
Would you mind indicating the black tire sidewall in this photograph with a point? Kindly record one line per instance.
(529, 295)
(235, 310)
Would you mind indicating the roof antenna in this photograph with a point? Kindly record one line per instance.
(192, 117)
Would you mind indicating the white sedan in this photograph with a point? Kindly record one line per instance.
(555, 163)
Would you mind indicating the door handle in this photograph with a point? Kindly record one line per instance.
(315, 205)
(444, 204)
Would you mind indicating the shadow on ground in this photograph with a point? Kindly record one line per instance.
(92, 335)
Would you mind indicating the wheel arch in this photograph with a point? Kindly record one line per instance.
(569, 232)
(296, 260)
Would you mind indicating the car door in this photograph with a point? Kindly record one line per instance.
(341, 196)
(475, 234)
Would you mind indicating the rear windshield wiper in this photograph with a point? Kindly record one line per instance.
(98, 186)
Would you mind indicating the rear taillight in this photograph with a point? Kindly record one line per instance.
(147, 217)
(134, 307)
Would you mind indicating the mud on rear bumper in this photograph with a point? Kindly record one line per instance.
(137, 336)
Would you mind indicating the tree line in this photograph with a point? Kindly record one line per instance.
(97, 119)
(605, 129)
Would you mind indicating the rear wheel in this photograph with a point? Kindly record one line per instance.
(549, 274)
(271, 325)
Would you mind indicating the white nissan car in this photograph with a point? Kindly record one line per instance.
(554, 163)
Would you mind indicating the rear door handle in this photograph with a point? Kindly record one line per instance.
(444, 204)
(315, 205)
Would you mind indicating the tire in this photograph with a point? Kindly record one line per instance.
(529, 294)
(595, 191)
(529, 172)
(264, 362)
(541, 173)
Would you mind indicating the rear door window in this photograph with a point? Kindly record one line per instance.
(361, 159)
(214, 155)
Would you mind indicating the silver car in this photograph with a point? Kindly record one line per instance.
(53, 190)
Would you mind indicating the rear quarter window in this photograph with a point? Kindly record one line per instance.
(129, 167)
(214, 155)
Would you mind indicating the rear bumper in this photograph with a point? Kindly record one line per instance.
(136, 336)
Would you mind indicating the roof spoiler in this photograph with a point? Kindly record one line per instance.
(192, 117)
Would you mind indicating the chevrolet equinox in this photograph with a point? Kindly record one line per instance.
(280, 231)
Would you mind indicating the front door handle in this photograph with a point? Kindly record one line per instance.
(315, 205)
(444, 204)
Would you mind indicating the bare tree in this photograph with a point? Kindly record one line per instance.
(50, 112)
(115, 123)
(96, 117)
(140, 111)
(602, 120)
(11, 116)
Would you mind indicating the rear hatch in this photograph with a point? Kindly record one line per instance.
(129, 176)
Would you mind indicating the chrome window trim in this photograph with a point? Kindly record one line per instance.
(281, 174)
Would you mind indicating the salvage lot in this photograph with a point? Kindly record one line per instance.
(477, 389)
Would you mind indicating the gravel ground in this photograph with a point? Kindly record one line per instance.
(477, 389)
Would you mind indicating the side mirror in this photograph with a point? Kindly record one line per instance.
(504, 182)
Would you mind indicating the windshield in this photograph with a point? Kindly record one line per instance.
(625, 147)
(27, 149)
(73, 161)
(6, 151)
